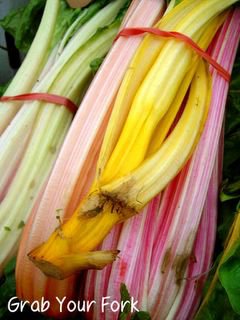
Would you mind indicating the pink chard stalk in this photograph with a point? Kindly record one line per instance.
(166, 251)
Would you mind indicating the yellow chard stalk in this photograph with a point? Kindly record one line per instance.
(139, 155)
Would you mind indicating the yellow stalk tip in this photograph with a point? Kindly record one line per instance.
(65, 266)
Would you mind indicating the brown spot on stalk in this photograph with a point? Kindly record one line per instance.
(181, 260)
(96, 203)
(118, 207)
(52, 149)
(166, 260)
(59, 229)
(93, 213)
(193, 258)
(32, 184)
(179, 265)
(196, 285)
(92, 205)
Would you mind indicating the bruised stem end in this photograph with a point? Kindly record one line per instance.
(69, 248)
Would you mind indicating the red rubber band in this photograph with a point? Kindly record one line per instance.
(177, 35)
(46, 97)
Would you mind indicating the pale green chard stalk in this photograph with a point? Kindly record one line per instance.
(32, 65)
(13, 139)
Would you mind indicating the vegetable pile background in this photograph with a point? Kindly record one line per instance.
(223, 302)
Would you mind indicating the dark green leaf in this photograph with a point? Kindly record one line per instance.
(125, 296)
(230, 191)
(229, 275)
(22, 23)
(218, 298)
(123, 10)
(125, 314)
(7, 289)
(141, 315)
(218, 307)
(3, 88)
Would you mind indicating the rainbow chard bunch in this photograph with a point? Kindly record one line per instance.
(155, 125)
(145, 144)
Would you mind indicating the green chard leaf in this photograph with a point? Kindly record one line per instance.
(229, 275)
(3, 88)
(126, 312)
(125, 297)
(216, 310)
(7, 287)
(23, 23)
(230, 190)
(68, 15)
(141, 315)
(123, 10)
